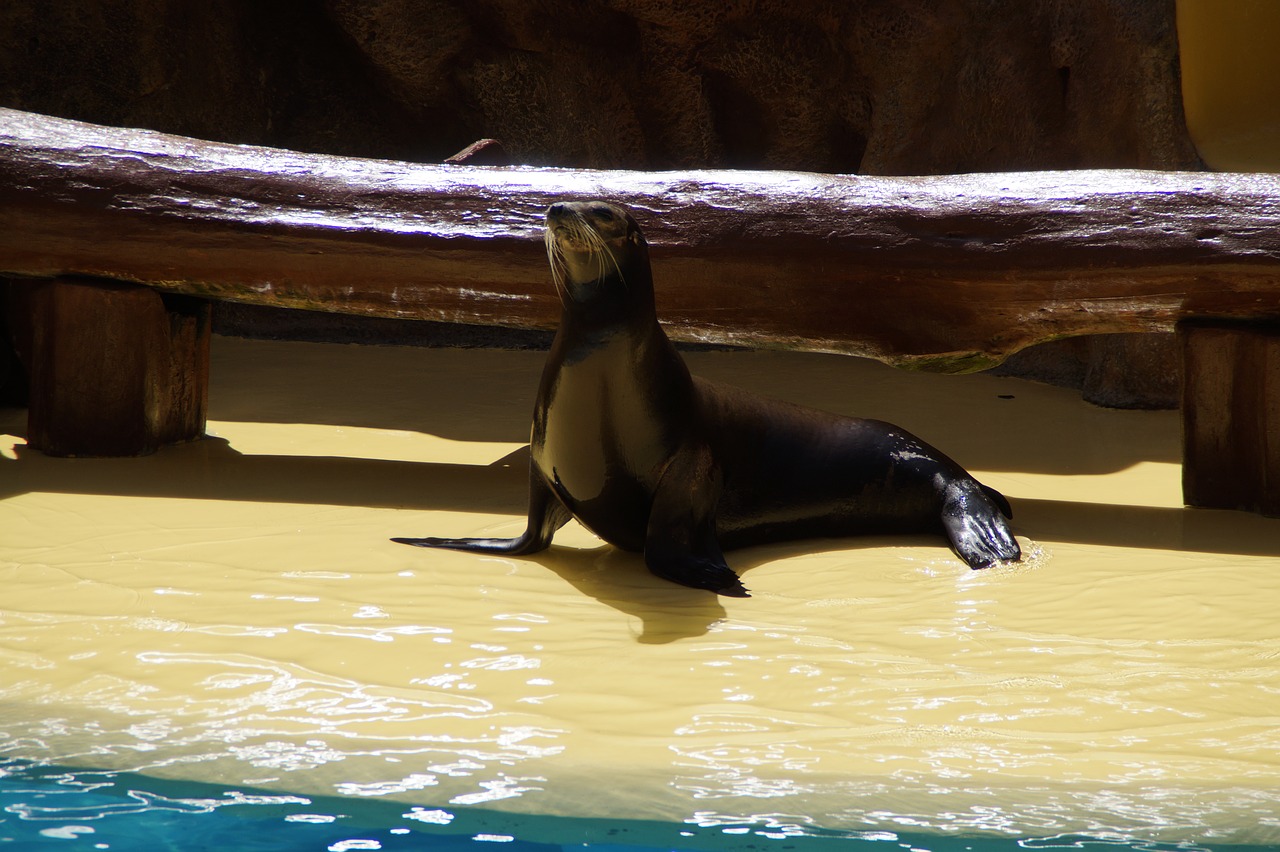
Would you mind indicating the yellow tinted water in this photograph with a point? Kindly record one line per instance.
(232, 611)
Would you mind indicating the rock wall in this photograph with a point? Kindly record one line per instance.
(870, 86)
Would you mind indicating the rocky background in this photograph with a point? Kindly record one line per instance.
(868, 86)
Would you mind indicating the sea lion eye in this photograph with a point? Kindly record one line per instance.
(605, 213)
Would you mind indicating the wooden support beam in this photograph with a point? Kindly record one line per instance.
(1231, 415)
(949, 273)
(116, 369)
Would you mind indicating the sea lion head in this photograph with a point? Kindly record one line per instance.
(591, 243)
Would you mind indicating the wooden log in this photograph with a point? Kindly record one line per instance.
(116, 369)
(1231, 415)
(947, 273)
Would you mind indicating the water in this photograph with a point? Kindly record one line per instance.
(224, 629)
(60, 808)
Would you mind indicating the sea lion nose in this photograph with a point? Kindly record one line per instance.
(556, 210)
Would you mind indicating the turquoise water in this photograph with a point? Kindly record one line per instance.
(49, 807)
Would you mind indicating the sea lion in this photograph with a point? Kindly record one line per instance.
(654, 460)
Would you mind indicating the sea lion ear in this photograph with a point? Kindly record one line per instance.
(635, 236)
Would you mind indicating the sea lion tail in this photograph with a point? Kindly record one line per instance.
(974, 519)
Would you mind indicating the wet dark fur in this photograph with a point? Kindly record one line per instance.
(655, 461)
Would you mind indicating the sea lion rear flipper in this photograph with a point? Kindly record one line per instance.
(546, 515)
(681, 544)
(974, 521)
(1000, 500)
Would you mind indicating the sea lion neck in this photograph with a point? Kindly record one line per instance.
(623, 299)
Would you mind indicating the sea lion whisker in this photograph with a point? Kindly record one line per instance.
(555, 261)
(604, 256)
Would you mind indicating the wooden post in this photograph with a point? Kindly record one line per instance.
(116, 369)
(1231, 415)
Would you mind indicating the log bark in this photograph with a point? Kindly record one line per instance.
(948, 273)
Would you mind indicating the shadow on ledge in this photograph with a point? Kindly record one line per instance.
(212, 470)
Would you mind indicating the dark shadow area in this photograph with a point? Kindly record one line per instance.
(213, 470)
(666, 612)
(464, 395)
(265, 322)
(1185, 529)
(984, 422)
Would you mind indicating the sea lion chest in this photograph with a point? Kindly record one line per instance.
(605, 425)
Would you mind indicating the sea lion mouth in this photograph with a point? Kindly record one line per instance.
(570, 238)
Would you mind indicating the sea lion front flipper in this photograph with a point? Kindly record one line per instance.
(546, 515)
(681, 544)
(973, 517)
